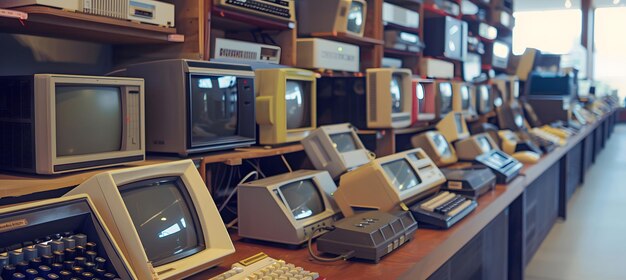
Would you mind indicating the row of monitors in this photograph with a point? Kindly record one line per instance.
(62, 123)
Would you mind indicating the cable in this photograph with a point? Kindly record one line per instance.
(286, 163)
(232, 223)
(234, 191)
(344, 257)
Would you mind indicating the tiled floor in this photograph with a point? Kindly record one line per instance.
(591, 244)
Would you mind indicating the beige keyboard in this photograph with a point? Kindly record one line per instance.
(263, 267)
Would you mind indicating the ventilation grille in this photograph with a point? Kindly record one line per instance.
(16, 124)
(107, 8)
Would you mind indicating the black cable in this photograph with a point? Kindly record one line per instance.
(344, 257)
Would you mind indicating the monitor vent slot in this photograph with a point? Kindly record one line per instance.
(107, 8)
(16, 145)
(373, 101)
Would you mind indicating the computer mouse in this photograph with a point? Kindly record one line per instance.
(527, 157)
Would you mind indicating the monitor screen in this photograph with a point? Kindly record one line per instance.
(484, 143)
(483, 92)
(356, 18)
(472, 66)
(419, 94)
(458, 121)
(298, 98)
(518, 117)
(455, 38)
(443, 148)
(213, 108)
(303, 199)
(88, 120)
(343, 142)
(402, 174)
(445, 94)
(164, 217)
(465, 97)
(498, 159)
(396, 93)
(501, 50)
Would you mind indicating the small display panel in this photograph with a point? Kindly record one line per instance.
(396, 94)
(213, 108)
(343, 142)
(421, 100)
(298, 98)
(458, 121)
(164, 217)
(303, 199)
(498, 160)
(88, 120)
(465, 97)
(402, 175)
(443, 148)
(356, 18)
(445, 94)
(484, 144)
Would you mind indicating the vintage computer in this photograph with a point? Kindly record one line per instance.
(472, 67)
(463, 99)
(498, 55)
(336, 149)
(511, 143)
(163, 218)
(484, 99)
(381, 99)
(277, 10)
(33, 233)
(451, 43)
(436, 147)
(285, 104)
(53, 123)
(404, 180)
(424, 95)
(331, 16)
(503, 165)
(287, 208)
(469, 148)
(453, 127)
(508, 86)
(196, 106)
(443, 98)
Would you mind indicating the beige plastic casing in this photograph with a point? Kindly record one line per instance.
(453, 127)
(426, 141)
(469, 148)
(103, 190)
(509, 141)
(379, 101)
(457, 99)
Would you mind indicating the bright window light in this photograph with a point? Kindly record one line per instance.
(610, 57)
(553, 31)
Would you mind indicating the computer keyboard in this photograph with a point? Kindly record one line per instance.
(57, 256)
(261, 7)
(263, 267)
(548, 136)
(443, 210)
(546, 145)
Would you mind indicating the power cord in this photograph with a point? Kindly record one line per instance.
(344, 257)
(234, 191)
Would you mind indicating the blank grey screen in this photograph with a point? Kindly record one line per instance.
(396, 94)
(162, 217)
(213, 108)
(298, 98)
(402, 174)
(88, 120)
(303, 198)
(442, 145)
(356, 18)
(344, 142)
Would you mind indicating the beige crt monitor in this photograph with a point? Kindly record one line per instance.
(389, 98)
(509, 141)
(331, 16)
(453, 127)
(464, 99)
(336, 149)
(508, 86)
(385, 183)
(468, 149)
(162, 217)
(436, 147)
(285, 104)
(287, 208)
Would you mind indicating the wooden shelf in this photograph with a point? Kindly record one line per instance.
(393, 26)
(235, 157)
(348, 38)
(51, 22)
(231, 20)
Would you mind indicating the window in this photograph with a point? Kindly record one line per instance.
(551, 31)
(610, 58)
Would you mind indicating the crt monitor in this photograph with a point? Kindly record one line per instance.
(286, 208)
(472, 67)
(508, 86)
(463, 99)
(336, 149)
(285, 104)
(453, 127)
(446, 37)
(484, 99)
(385, 183)
(423, 100)
(500, 52)
(443, 98)
(196, 106)
(163, 218)
(389, 97)
(511, 116)
(436, 147)
(331, 16)
(469, 148)
(54, 123)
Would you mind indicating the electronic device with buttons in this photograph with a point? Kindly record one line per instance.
(262, 266)
(436, 146)
(58, 239)
(64, 123)
(369, 235)
(503, 165)
(401, 16)
(287, 208)
(436, 68)
(443, 210)
(245, 52)
(177, 234)
(471, 182)
(424, 95)
(317, 53)
(283, 10)
(463, 99)
(331, 16)
(471, 147)
(404, 41)
(336, 149)
(512, 143)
